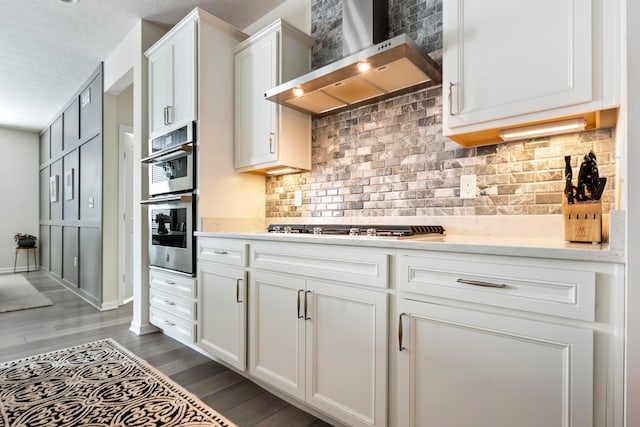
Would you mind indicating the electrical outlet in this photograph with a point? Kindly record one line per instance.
(468, 187)
(297, 198)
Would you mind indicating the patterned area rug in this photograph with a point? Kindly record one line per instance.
(95, 384)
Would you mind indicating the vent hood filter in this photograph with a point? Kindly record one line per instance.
(396, 65)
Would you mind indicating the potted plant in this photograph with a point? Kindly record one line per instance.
(25, 240)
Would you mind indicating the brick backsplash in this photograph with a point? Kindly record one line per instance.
(390, 158)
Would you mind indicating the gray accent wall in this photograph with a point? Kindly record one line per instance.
(71, 151)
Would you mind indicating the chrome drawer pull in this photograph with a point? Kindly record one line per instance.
(221, 252)
(238, 300)
(299, 316)
(481, 283)
(169, 323)
(170, 283)
(306, 317)
(400, 346)
(169, 303)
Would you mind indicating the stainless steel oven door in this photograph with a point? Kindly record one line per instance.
(171, 226)
(171, 173)
(180, 136)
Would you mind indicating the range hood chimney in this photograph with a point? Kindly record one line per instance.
(364, 23)
(373, 67)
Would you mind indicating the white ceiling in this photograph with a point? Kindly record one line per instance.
(48, 48)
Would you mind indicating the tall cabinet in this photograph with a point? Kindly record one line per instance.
(191, 75)
(172, 81)
(269, 136)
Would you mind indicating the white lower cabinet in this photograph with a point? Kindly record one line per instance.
(477, 340)
(172, 304)
(322, 342)
(459, 367)
(223, 311)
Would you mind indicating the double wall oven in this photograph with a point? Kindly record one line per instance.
(172, 200)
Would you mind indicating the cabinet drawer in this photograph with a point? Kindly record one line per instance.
(331, 263)
(173, 325)
(545, 289)
(172, 283)
(230, 252)
(182, 307)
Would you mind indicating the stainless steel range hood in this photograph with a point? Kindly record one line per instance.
(395, 65)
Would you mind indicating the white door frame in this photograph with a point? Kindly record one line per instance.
(125, 182)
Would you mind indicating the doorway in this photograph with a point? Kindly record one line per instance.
(125, 210)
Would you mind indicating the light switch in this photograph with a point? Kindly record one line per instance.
(297, 198)
(91, 203)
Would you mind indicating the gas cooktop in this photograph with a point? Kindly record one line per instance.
(397, 231)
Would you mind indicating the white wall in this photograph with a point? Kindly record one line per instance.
(126, 65)
(632, 197)
(295, 12)
(118, 110)
(19, 192)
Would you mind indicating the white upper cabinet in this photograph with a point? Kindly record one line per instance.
(510, 63)
(267, 135)
(172, 80)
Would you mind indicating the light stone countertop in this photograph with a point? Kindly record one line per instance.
(522, 247)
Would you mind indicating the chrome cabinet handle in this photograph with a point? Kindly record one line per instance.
(481, 283)
(169, 323)
(299, 298)
(400, 346)
(169, 114)
(238, 290)
(451, 113)
(221, 252)
(166, 116)
(306, 293)
(271, 148)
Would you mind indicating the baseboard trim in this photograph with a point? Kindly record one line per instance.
(111, 305)
(142, 329)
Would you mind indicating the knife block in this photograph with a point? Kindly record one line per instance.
(582, 221)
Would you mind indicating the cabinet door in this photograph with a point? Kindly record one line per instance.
(159, 89)
(256, 69)
(346, 346)
(504, 58)
(459, 368)
(222, 313)
(276, 331)
(182, 107)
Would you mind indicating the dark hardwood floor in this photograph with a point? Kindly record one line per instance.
(72, 321)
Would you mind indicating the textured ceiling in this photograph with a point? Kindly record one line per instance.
(48, 47)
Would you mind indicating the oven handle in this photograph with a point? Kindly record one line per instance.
(169, 153)
(178, 198)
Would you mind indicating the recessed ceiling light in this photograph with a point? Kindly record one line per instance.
(69, 1)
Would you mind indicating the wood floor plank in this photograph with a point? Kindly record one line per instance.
(213, 384)
(230, 397)
(71, 321)
(196, 373)
(256, 410)
(289, 416)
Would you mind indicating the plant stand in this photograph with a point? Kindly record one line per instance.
(23, 248)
